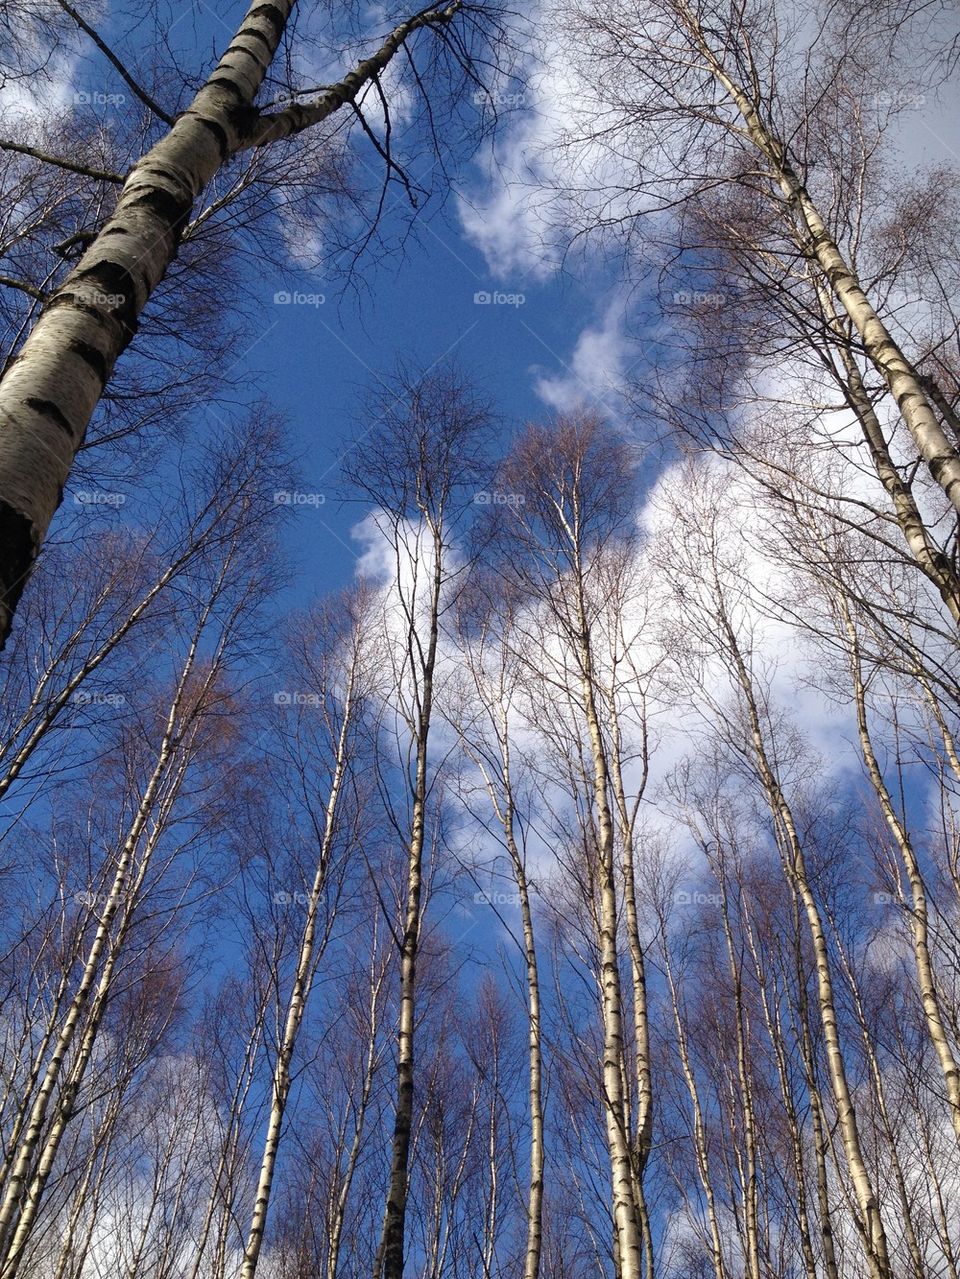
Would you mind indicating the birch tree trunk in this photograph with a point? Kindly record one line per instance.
(701, 1153)
(50, 390)
(341, 1194)
(572, 481)
(798, 1136)
(36, 1153)
(496, 692)
(299, 995)
(927, 554)
(919, 913)
(795, 863)
(392, 1240)
(629, 1243)
(506, 814)
(643, 1129)
(816, 242)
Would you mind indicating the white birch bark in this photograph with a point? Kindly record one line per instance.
(816, 242)
(50, 390)
(919, 912)
(629, 1243)
(391, 1252)
(795, 865)
(297, 1002)
(36, 1153)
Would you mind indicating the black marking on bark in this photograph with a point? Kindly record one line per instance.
(218, 132)
(242, 117)
(169, 208)
(227, 82)
(262, 63)
(172, 176)
(18, 550)
(93, 358)
(47, 408)
(256, 33)
(113, 279)
(270, 13)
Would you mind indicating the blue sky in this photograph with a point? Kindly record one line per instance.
(316, 360)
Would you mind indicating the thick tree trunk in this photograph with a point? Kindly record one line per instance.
(52, 387)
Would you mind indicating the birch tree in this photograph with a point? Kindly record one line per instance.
(333, 667)
(717, 600)
(420, 468)
(494, 688)
(158, 772)
(566, 501)
(764, 132)
(49, 392)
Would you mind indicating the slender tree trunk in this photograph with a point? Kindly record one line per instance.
(928, 556)
(339, 1210)
(391, 1252)
(919, 915)
(297, 1003)
(818, 1119)
(749, 1169)
(643, 1139)
(798, 1137)
(16, 1207)
(889, 1128)
(795, 864)
(531, 1263)
(625, 1215)
(700, 1151)
(819, 246)
(35, 1159)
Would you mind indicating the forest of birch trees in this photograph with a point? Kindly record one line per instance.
(575, 893)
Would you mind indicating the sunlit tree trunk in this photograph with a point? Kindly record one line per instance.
(300, 991)
(49, 392)
(919, 915)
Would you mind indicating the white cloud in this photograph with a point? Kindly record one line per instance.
(594, 377)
